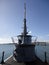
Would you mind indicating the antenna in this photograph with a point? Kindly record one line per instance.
(24, 10)
(25, 27)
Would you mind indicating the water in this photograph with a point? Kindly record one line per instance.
(8, 49)
(40, 52)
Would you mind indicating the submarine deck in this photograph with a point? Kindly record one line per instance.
(11, 61)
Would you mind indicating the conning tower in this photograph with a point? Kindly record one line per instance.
(25, 37)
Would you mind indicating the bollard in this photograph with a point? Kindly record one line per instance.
(2, 61)
(45, 57)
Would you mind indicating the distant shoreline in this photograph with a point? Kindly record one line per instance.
(7, 44)
(37, 43)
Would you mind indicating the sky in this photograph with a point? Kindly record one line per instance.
(12, 16)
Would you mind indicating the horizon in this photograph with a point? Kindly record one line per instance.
(12, 15)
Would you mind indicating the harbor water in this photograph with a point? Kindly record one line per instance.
(8, 49)
(39, 50)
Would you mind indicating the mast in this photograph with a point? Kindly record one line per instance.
(25, 27)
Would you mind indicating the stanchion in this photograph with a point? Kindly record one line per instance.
(2, 61)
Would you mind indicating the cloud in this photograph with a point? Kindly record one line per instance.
(29, 32)
(5, 40)
(48, 35)
(44, 38)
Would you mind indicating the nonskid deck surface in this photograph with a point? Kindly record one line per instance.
(11, 61)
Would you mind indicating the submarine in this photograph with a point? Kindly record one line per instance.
(24, 49)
